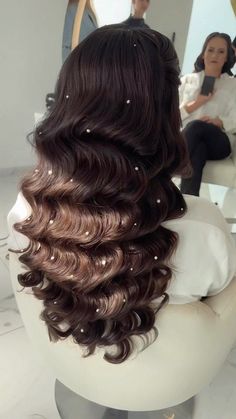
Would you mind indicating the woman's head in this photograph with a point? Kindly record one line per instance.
(102, 188)
(140, 6)
(217, 54)
(122, 84)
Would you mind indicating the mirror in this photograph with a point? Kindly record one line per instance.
(84, 16)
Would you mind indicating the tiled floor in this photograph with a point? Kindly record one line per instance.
(26, 386)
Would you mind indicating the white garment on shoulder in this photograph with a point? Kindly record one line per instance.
(222, 104)
(204, 262)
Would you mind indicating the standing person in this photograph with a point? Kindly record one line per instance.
(209, 121)
(136, 19)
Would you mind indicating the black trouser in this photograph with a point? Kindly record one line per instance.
(205, 142)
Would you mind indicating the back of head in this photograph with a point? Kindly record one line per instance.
(98, 253)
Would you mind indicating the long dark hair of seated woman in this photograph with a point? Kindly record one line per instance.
(98, 253)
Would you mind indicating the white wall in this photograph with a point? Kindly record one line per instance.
(207, 16)
(168, 16)
(30, 56)
(112, 11)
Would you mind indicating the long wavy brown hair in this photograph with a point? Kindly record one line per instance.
(98, 254)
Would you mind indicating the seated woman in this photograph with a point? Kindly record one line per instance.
(209, 121)
(106, 236)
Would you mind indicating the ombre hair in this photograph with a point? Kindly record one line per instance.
(99, 254)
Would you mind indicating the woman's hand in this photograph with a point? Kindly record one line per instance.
(204, 118)
(214, 121)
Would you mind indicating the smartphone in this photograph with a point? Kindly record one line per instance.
(208, 85)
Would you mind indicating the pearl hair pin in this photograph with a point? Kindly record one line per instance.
(135, 224)
(82, 330)
(158, 201)
(135, 45)
(36, 171)
(50, 172)
(156, 257)
(128, 101)
(103, 262)
(40, 132)
(87, 233)
(72, 180)
(182, 209)
(131, 269)
(51, 221)
(52, 257)
(71, 276)
(88, 130)
(67, 96)
(97, 311)
(124, 300)
(136, 168)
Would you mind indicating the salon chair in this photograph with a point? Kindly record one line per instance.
(221, 172)
(160, 382)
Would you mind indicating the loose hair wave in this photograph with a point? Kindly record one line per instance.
(199, 63)
(98, 252)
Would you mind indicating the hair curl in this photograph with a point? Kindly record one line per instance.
(98, 253)
(199, 63)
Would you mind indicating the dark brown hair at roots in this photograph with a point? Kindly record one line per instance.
(98, 250)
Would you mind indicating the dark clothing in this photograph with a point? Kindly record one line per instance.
(134, 22)
(205, 142)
